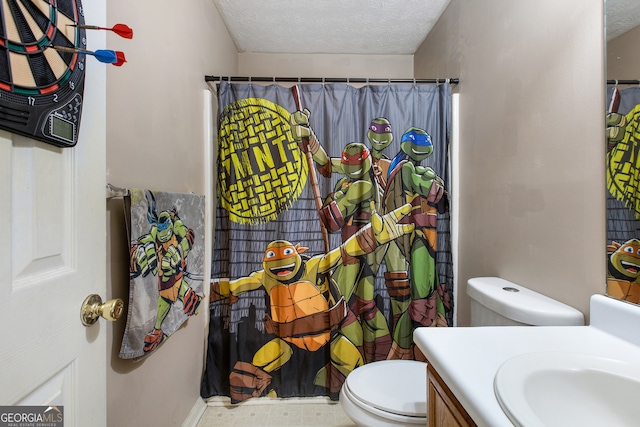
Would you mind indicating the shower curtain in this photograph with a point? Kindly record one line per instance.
(623, 198)
(332, 234)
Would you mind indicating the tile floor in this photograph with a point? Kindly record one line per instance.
(312, 412)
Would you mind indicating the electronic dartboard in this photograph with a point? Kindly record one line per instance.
(41, 88)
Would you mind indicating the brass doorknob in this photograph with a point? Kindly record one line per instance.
(92, 308)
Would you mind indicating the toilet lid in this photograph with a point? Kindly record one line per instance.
(396, 386)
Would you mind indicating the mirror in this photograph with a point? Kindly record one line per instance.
(623, 149)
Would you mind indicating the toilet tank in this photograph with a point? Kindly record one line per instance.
(498, 302)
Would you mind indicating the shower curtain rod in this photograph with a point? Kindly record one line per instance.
(623, 82)
(325, 80)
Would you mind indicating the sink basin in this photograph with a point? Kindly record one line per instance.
(568, 389)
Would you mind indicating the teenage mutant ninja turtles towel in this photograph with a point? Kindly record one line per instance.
(332, 233)
(166, 267)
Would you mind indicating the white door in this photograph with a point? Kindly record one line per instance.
(52, 256)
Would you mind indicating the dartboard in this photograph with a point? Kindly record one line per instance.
(41, 88)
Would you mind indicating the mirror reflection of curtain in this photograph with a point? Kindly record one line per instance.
(623, 198)
(301, 296)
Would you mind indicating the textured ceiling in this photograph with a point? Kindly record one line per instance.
(369, 27)
(622, 16)
(330, 26)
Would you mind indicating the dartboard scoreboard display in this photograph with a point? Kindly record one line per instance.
(41, 88)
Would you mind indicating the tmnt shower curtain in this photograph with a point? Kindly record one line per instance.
(332, 236)
(623, 199)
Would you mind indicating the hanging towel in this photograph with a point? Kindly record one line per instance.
(166, 266)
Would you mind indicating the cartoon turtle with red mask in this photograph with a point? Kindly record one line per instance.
(305, 311)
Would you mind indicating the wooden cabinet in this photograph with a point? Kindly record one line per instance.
(444, 410)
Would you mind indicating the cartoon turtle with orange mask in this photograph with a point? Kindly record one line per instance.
(305, 311)
(623, 270)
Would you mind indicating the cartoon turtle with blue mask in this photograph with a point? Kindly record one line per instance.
(420, 186)
(163, 252)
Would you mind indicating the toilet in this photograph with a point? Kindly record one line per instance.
(498, 302)
(386, 393)
(394, 392)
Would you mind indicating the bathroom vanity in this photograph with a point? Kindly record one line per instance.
(464, 361)
(443, 408)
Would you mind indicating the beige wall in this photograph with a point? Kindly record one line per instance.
(532, 186)
(282, 65)
(155, 140)
(623, 60)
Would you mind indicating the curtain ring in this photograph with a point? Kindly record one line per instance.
(274, 79)
(299, 80)
(448, 80)
(367, 80)
(323, 82)
(228, 79)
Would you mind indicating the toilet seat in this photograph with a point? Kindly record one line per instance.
(391, 389)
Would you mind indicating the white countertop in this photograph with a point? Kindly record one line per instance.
(467, 358)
